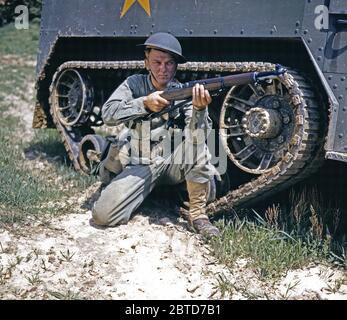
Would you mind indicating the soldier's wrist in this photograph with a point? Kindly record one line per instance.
(199, 108)
(145, 104)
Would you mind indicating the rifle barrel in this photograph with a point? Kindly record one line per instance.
(184, 90)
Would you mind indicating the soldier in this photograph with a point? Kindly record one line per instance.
(144, 168)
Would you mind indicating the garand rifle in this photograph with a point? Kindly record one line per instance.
(183, 91)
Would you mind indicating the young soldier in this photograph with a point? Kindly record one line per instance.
(136, 98)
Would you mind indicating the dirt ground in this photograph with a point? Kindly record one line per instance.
(154, 256)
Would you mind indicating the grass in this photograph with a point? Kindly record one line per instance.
(24, 191)
(279, 240)
(68, 295)
(269, 252)
(19, 42)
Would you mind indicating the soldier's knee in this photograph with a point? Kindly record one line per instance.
(104, 215)
(100, 216)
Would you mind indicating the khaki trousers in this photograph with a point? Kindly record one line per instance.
(125, 193)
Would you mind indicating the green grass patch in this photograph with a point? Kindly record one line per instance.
(278, 241)
(48, 143)
(14, 82)
(21, 193)
(25, 191)
(19, 42)
(269, 252)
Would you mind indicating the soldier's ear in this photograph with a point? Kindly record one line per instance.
(147, 64)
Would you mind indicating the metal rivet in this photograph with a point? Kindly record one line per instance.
(340, 97)
(320, 49)
(335, 86)
(242, 31)
(319, 58)
(296, 30)
(286, 119)
(309, 40)
(340, 135)
(215, 31)
(305, 31)
(343, 78)
(275, 104)
(330, 77)
(297, 23)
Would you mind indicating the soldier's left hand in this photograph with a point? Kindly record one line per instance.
(201, 97)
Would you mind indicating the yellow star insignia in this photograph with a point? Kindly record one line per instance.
(145, 4)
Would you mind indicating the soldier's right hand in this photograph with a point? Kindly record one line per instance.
(154, 102)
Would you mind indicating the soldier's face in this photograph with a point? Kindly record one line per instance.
(163, 67)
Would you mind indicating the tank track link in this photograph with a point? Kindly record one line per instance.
(302, 159)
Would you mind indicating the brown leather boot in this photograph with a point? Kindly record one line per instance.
(197, 210)
(205, 228)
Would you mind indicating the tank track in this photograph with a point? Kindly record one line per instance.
(302, 159)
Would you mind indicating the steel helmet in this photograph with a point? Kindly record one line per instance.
(167, 42)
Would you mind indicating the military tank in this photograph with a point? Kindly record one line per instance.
(87, 48)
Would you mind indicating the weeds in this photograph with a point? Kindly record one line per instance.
(34, 278)
(67, 256)
(269, 251)
(281, 240)
(69, 295)
(290, 287)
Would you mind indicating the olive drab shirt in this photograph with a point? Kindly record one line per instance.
(148, 138)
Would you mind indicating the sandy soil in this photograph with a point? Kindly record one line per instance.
(154, 256)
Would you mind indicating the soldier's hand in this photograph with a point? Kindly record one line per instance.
(154, 102)
(201, 97)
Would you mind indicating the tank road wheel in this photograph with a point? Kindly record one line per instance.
(271, 130)
(91, 148)
(72, 98)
